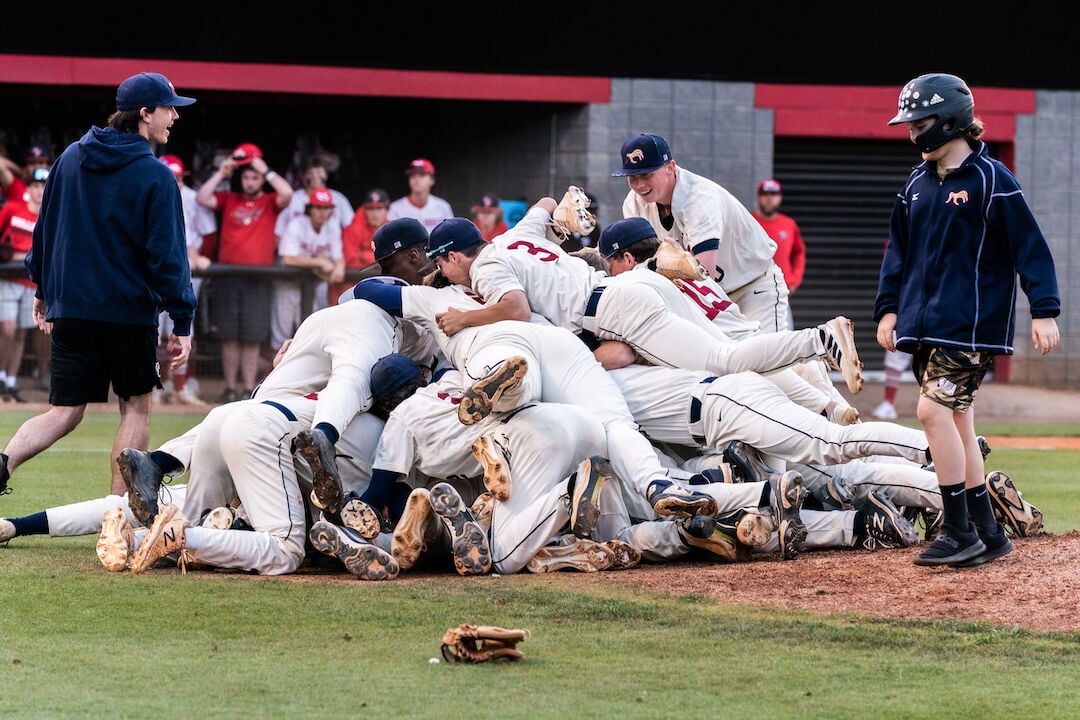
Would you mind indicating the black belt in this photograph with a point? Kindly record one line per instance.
(695, 411)
(594, 300)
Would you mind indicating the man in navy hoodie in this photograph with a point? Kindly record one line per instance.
(109, 253)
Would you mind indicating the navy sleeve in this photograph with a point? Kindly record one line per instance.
(386, 296)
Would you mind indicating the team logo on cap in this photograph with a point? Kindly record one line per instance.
(636, 156)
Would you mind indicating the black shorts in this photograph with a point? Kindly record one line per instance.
(88, 355)
(240, 308)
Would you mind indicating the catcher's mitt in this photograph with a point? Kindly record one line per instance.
(572, 213)
(481, 643)
(675, 263)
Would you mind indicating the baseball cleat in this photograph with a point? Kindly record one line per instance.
(480, 399)
(584, 555)
(706, 533)
(496, 473)
(592, 474)
(885, 526)
(838, 336)
(143, 478)
(667, 498)
(417, 526)
(359, 557)
(318, 452)
(787, 498)
(1016, 513)
(472, 554)
(746, 465)
(116, 542)
(219, 518)
(482, 508)
(360, 517)
(166, 537)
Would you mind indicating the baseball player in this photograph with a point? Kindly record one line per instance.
(330, 356)
(510, 363)
(523, 272)
(706, 219)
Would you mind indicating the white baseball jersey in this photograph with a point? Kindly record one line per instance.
(302, 239)
(693, 408)
(431, 214)
(341, 216)
(556, 284)
(704, 210)
(332, 353)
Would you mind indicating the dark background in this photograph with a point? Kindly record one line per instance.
(1027, 45)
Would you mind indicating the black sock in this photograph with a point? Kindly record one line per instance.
(36, 524)
(860, 526)
(166, 462)
(981, 511)
(954, 506)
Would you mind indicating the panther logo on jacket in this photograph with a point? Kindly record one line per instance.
(635, 157)
(957, 198)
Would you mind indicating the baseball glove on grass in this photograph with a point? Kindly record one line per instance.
(572, 213)
(675, 263)
(481, 643)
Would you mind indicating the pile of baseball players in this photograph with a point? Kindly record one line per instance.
(505, 406)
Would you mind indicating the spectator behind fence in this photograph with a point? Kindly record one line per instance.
(790, 252)
(240, 305)
(108, 252)
(314, 243)
(356, 240)
(420, 204)
(487, 215)
(315, 176)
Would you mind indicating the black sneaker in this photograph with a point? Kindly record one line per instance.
(997, 546)
(4, 475)
(592, 475)
(143, 479)
(13, 393)
(948, 550)
(227, 396)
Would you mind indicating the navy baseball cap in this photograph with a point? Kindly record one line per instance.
(398, 235)
(453, 234)
(643, 154)
(148, 90)
(621, 234)
(392, 372)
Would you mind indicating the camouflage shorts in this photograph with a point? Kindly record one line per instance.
(950, 377)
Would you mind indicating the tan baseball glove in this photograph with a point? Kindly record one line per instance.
(481, 643)
(572, 213)
(675, 263)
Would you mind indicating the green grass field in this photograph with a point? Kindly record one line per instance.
(79, 642)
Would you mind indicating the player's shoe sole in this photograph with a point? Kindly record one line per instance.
(496, 472)
(319, 454)
(788, 494)
(479, 400)
(116, 541)
(841, 352)
(472, 555)
(411, 533)
(1018, 514)
(360, 558)
(592, 474)
(668, 498)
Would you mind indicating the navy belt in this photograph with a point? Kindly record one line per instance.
(594, 300)
(284, 410)
(695, 410)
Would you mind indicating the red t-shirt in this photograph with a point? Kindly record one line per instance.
(17, 228)
(790, 250)
(246, 235)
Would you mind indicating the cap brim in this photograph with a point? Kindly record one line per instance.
(180, 101)
(624, 172)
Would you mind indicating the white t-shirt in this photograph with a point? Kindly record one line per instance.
(434, 211)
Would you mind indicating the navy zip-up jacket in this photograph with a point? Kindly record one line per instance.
(109, 244)
(956, 246)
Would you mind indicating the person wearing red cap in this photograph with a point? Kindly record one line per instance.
(790, 250)
(488, 216)
(14, 179)
(314, 243)
(429, 209)
(357, 238)
(241, 304)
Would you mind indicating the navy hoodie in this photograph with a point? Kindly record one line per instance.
(109, 244)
